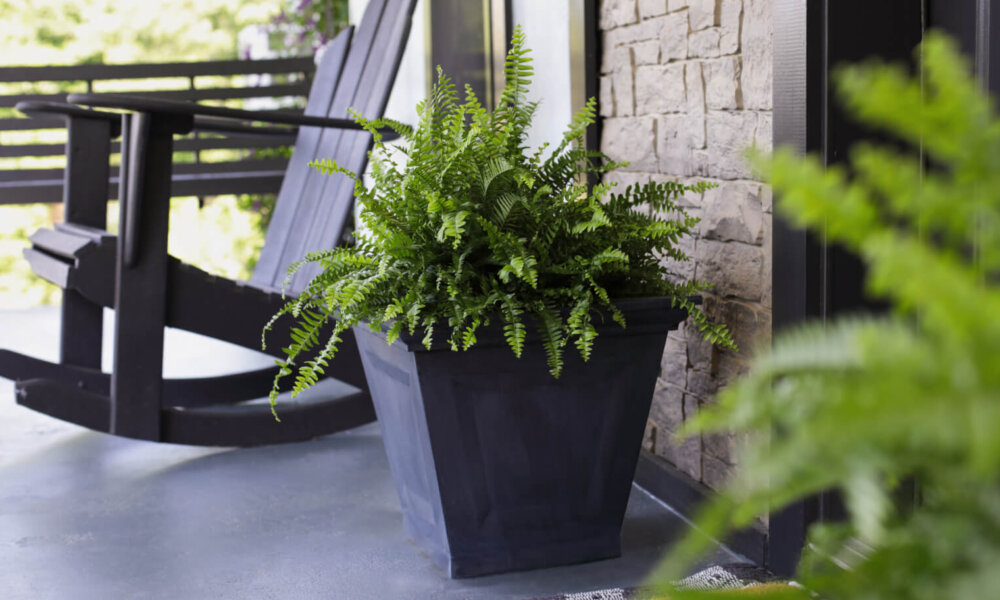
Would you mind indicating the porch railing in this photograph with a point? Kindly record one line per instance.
(32, 150)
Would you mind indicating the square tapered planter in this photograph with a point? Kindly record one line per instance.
(498, 465)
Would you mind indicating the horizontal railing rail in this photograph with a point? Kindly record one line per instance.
(156, 70)
(32, 150)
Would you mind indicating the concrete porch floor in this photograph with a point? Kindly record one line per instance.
(87, 515)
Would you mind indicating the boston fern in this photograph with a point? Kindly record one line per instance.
(876, 406)
(464, 225)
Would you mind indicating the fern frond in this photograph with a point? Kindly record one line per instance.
(464, 221)
(328, 166)
(514, 328)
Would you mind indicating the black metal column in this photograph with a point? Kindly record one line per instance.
(812, 279)
(972, 23)
(585, 66)
(796, 254)
(469, 41)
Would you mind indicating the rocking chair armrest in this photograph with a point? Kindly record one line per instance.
(70, 111)
(207, 124)
(274, 117)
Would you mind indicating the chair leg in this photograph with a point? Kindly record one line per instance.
(81, 331)
(141, 276)
(85, 199)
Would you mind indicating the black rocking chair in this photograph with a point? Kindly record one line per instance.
(148, 289)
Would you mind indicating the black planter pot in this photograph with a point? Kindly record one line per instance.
(501, 467)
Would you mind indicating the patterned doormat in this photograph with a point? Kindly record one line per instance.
(735, 576)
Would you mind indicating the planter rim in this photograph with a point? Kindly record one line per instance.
(643, 315)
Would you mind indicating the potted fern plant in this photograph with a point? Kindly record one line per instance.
(509, 453)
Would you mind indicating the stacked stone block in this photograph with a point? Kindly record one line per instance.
(685, 89)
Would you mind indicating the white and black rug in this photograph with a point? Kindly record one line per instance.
(719, 577)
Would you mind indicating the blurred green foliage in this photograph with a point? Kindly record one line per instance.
(305, 25)
(64, 32)
(223, 237)
(19, 288)
(867, 406)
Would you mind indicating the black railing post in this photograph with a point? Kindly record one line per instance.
(814, 281)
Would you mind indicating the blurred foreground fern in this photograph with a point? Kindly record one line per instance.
(864, 404)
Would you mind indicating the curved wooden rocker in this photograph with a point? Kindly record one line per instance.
(133, 274)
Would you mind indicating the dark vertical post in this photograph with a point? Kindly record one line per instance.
(972, 24)
(499, 32)
(796, 254)
(141, 282)
(585, 56)
(992, 49)
(592, 69)
(983, 22)
(459, 34)
(813, 280)
(85, 199)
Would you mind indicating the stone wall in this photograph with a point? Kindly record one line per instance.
(685, 88)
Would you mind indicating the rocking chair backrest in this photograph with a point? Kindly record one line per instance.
(312, 209)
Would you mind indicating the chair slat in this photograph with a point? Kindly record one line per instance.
(369, 70)
(325, 83)
(372, 100)
(333, 144)
(371, 96)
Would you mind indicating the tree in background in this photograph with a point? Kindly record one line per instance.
(57, 32)
(304, 26)
(867, 405)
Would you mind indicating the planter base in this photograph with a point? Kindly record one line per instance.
(501, 467)
(524, 559)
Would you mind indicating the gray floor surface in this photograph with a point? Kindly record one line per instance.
(87, 515)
